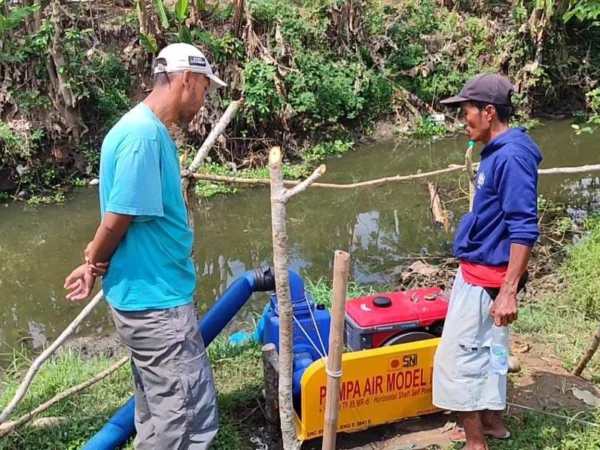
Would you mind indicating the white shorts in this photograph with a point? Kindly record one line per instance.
(461, 375)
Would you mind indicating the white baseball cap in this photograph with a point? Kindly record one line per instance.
(181, 57)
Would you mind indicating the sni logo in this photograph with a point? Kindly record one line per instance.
(406, 361)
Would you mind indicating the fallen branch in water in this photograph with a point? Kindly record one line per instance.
(437, 210)
(12, 426)
(382, 181)
(46, 354)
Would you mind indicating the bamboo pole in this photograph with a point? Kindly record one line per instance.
(46, 354)
(382, 181)
(341, 268)
(279, 197)
(470, 173)
(12, 426)
(585, 359)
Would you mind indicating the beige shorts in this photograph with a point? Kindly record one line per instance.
(175, 399)
(461, 374)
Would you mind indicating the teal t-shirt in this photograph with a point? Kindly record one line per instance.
(152, 267)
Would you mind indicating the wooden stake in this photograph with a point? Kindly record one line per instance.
(214, 134)
(341, 268)
(585, 359)
(279, 197)
(271, 380)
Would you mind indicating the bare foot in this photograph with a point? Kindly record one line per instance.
(495, 433)
(476, 447)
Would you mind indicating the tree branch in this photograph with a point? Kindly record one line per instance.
(46, 354)
(12, 426)
(383, 181)
(215, 133)
(300, 187)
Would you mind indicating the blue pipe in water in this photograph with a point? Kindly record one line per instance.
(121, 427)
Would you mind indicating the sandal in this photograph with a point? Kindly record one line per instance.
(461, 430)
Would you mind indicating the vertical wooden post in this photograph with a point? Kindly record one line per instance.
(279, 197)
(341, 267)
(271, 381)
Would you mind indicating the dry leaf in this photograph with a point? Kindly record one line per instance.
(587, 397)
(521, 348)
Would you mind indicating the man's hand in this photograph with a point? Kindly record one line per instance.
(80, 283)
(504, 309)
(95, 270)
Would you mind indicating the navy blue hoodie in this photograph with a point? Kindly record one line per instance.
(505, 203)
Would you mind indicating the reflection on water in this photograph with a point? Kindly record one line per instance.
(378, 226)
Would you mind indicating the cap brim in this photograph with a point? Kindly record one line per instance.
(215, 82)
(454, 101)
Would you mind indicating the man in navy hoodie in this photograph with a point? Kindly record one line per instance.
(493, 244)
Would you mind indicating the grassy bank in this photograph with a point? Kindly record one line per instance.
(238, 378)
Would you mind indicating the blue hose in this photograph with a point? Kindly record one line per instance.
(121, 427)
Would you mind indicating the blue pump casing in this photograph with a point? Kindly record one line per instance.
(304, 309)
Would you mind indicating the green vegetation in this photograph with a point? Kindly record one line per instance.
(235, 370)
(538, 432)
(315, 74)
(206, 189)
(563, 323)
(567, 320)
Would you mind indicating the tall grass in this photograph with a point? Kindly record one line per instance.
(322, 291)
(566, 321)
(582, 273)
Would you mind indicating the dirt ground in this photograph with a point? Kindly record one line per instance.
(542, 384)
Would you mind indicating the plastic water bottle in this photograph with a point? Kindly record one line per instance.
(499, 350)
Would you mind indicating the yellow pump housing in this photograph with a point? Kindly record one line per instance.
(378, 386)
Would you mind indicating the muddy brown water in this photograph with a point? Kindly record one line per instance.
(39, 245)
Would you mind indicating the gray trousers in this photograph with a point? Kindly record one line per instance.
(175, 399)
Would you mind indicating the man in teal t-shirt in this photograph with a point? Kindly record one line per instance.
(145, 237)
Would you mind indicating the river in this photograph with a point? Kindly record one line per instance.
(40, 245)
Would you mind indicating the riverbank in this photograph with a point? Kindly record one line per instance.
(316, 76)
(553, 331)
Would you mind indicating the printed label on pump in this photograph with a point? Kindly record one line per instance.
(377, 386)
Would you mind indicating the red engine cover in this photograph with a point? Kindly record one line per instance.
(385, 315)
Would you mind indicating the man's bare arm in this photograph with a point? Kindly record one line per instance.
(111, 231)
(517, 264)
(505, 308)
